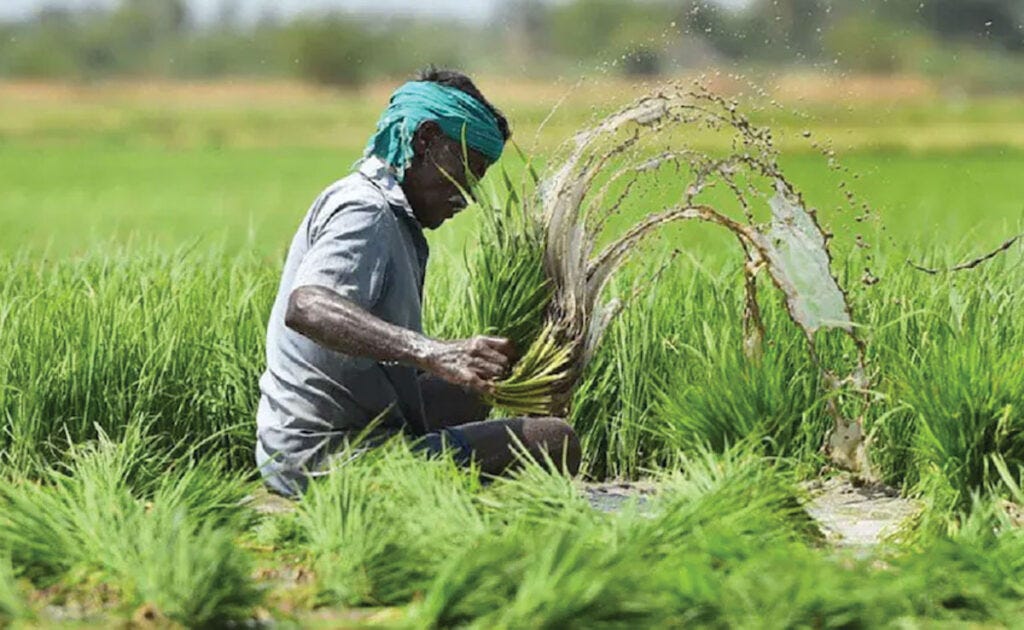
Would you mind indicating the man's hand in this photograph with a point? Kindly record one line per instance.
(471, 363)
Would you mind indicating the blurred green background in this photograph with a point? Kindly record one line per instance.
(177, 121)
(963, 43)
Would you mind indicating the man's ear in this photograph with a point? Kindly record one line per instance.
(425, 135)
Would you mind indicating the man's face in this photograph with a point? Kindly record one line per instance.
(428, 183)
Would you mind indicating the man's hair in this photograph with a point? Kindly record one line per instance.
(458, 80)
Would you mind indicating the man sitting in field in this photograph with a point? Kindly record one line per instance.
(345, 347)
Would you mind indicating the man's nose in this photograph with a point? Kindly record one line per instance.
(458, 202)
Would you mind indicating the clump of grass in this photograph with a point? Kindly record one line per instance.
(12, 602)
(980, 549)
(950, 363)
(648, 350)
(190, 569)
(156, 530)
(117, 335)
(375, 528)
(713, 395)
(738, 492)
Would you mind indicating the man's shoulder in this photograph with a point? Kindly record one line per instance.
(352, 196)
(353, 190)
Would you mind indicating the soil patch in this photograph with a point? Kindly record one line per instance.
(612, 496)
(857, 516)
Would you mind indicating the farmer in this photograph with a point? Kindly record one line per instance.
(345, 345)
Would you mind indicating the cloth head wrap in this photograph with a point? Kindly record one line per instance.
(456, 112)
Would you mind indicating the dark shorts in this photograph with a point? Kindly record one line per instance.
(289, 482)
(446, 408)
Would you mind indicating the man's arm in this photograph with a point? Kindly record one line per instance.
(341, 325)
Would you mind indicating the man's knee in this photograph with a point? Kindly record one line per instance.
(495, 444)
(556, 439)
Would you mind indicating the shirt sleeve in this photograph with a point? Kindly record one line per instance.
(348, 253)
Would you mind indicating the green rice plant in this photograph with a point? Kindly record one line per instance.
(714, 395)
(152, 528)
(978, 542)
(533, 494)
(792, 586)
(545, 576)
(895, 312)
(538, 570)
(739, 492)
(986, 512)
(979, 550)
(672, 375)
(963, 383)
(784, 585)
(190, 570)
(615, 408)
(554, 563)
(374, 528)
(512, 290)
(71, 516)
(12, 603)
(117, 335)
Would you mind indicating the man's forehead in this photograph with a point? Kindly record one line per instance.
(477, 162)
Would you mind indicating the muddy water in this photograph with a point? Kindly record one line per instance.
(778, 237)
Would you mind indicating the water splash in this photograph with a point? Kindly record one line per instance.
(598, 171)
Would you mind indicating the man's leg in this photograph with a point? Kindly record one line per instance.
(495, 445)
(455, 420)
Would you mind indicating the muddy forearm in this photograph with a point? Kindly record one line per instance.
(343, 326)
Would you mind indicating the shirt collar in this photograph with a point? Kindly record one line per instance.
(383, 177)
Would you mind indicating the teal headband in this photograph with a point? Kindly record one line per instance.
(458, 114)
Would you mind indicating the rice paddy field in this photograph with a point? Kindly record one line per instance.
(142, 230)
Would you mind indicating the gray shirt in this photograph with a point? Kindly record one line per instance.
(361, 240)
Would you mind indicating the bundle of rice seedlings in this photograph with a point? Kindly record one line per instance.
(512, 290)
(539, 279)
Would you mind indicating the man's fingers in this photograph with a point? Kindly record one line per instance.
(500, 344)
(493, 357)
(478, 384)
(488, 369)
